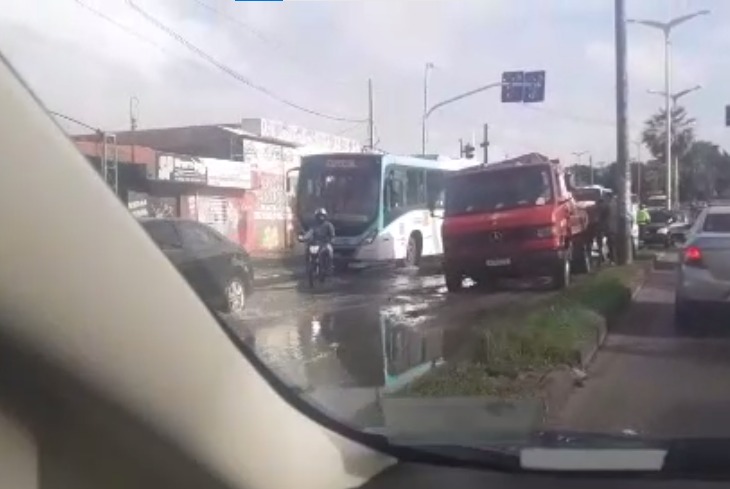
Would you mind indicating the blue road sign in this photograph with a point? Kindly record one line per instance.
(512, 88)
(523, 86)
(534, 87)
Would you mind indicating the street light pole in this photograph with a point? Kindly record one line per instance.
(668, 118)
(451, 100)
(666, 28)
(578, 155)
(675, 164)
(429, 67)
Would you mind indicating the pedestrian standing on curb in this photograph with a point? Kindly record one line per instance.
(643, 218)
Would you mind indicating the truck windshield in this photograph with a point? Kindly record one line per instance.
(498, 190)
(347, 187)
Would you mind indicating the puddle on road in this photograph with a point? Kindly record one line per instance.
(361, 347)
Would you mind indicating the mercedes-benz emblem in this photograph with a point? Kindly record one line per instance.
(496, 236)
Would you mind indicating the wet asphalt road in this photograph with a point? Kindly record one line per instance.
(362, 332)
(653, 379)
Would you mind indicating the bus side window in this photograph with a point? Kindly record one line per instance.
(435, 186)
(394, 191)
(415, 188)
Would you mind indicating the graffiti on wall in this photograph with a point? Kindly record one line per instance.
(220, 213)
(271, 210)
(144, 205)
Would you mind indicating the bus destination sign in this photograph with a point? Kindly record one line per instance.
(341, 164)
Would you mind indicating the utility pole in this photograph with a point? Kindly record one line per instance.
(461, 148)
(485, 143)
(624, 238)
(133, 110)
(371, 123)
(590, 165)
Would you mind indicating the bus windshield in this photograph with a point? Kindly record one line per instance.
(498, 190)
(347, 187)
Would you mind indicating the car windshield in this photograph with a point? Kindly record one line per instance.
(498, 190)
(467, 295)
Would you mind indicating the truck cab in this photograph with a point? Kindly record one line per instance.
(515, 218)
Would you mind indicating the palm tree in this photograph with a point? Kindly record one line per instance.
(654, 135)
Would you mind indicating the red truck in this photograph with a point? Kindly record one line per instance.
(514, 218)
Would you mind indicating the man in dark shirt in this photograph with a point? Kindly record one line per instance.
(322, 233)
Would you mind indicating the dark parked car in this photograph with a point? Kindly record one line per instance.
(218, 269)
(665, 228)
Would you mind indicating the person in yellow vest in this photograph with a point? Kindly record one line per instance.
(643, 218)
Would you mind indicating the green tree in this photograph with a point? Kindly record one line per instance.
(654, 134)
(704, 172)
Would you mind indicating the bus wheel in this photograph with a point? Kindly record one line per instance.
(413, 250)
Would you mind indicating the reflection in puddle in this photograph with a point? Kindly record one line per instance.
(359, 347)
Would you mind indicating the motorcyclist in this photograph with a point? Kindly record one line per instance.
(322, 233)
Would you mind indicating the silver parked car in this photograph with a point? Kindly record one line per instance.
(704, 267)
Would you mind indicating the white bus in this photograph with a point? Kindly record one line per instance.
(380, 205)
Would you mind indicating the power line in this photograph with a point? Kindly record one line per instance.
(266, 40)
(230, 71)
(242, 24)
(76, 121)
(126, 29)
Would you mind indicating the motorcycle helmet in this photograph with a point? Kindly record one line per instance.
(320, 214)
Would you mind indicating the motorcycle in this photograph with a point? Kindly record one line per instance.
(316, 268)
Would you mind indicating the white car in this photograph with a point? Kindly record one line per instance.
(704, 268)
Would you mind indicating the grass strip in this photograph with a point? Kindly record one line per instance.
(509, 354)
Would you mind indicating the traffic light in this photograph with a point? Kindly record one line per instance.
(468, 151)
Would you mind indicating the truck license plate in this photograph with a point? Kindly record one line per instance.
(502, 262)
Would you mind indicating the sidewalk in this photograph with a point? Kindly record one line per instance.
(651, 380)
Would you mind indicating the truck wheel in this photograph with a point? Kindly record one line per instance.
(582, 259)
(454, 281)
(561, 276)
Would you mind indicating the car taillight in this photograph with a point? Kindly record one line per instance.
(692, 255)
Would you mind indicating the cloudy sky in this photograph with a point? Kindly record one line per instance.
(86, 58)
